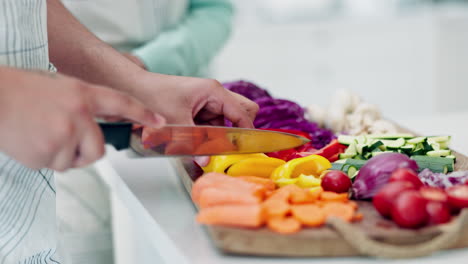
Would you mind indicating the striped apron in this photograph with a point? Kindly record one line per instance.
(27, 197)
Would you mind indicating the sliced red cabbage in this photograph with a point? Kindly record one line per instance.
(441, 180)
(280, 113)
(246, 89)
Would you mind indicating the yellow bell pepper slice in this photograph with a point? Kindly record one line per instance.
(310, 165)
(308, 181)
(283, 182)
(255, 166)
(222, 162)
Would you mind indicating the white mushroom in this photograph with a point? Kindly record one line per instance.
(382, 127)
(316, 113)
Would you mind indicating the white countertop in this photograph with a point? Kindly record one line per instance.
(156, 216)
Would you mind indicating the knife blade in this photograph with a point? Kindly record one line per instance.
(180, 140)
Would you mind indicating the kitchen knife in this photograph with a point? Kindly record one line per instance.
(179, 140)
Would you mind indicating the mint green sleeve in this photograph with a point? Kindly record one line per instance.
(190, 46)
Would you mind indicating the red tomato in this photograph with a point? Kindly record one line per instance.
(409, 210)
(434, 194)
(336, 181)
(405, 174)
(438, 212)
(384, 199)
(458, 196)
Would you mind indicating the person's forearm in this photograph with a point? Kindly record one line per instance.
(76, 51)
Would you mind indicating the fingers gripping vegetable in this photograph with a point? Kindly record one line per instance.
(376, 172)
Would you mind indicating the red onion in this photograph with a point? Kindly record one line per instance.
(376, 173)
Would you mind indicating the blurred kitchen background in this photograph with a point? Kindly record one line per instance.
(410, 57)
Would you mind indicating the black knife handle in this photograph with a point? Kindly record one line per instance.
(117, 134)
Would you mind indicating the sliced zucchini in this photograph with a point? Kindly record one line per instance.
(390, 136)
(394, 144)
(418, 152)
(439, 153)
(352, 171)
(346, 155)
(451, 157)
(435, 146)
(426, 146)
(375, 146)
(439, 139)
(381, 152)
(361, 148)
(435, 164)
(444, 145)
(351, 150)
(345, 139)
(356, 163)
(361, 139)
(416, 140)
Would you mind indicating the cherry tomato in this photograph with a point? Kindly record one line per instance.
(458, 196)
(438, 212)
(336, 181)
(409, 210)
(384, 199)
(405, 174)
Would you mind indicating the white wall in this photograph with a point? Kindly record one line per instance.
(409, 65)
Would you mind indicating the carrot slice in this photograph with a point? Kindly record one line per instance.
(215, 196)
(316, 192)
(276, 207)
(251, 216)
(280, 194)
(269, 193)
(267, 183)
(284, 225)
(302, 196)
(308, 214)
(334, 197)
(287, 190)
(340, 210)
(225, 182)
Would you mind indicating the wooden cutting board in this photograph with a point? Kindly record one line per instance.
(374, 236)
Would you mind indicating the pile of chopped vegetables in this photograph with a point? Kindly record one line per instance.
(292, 189)
(253, 202)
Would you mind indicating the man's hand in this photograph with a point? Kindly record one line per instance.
(187, 100)
(47, 120)
(135, 60)
(181, 100)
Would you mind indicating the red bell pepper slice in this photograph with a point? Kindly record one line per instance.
(288, 154)
(331, 151)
